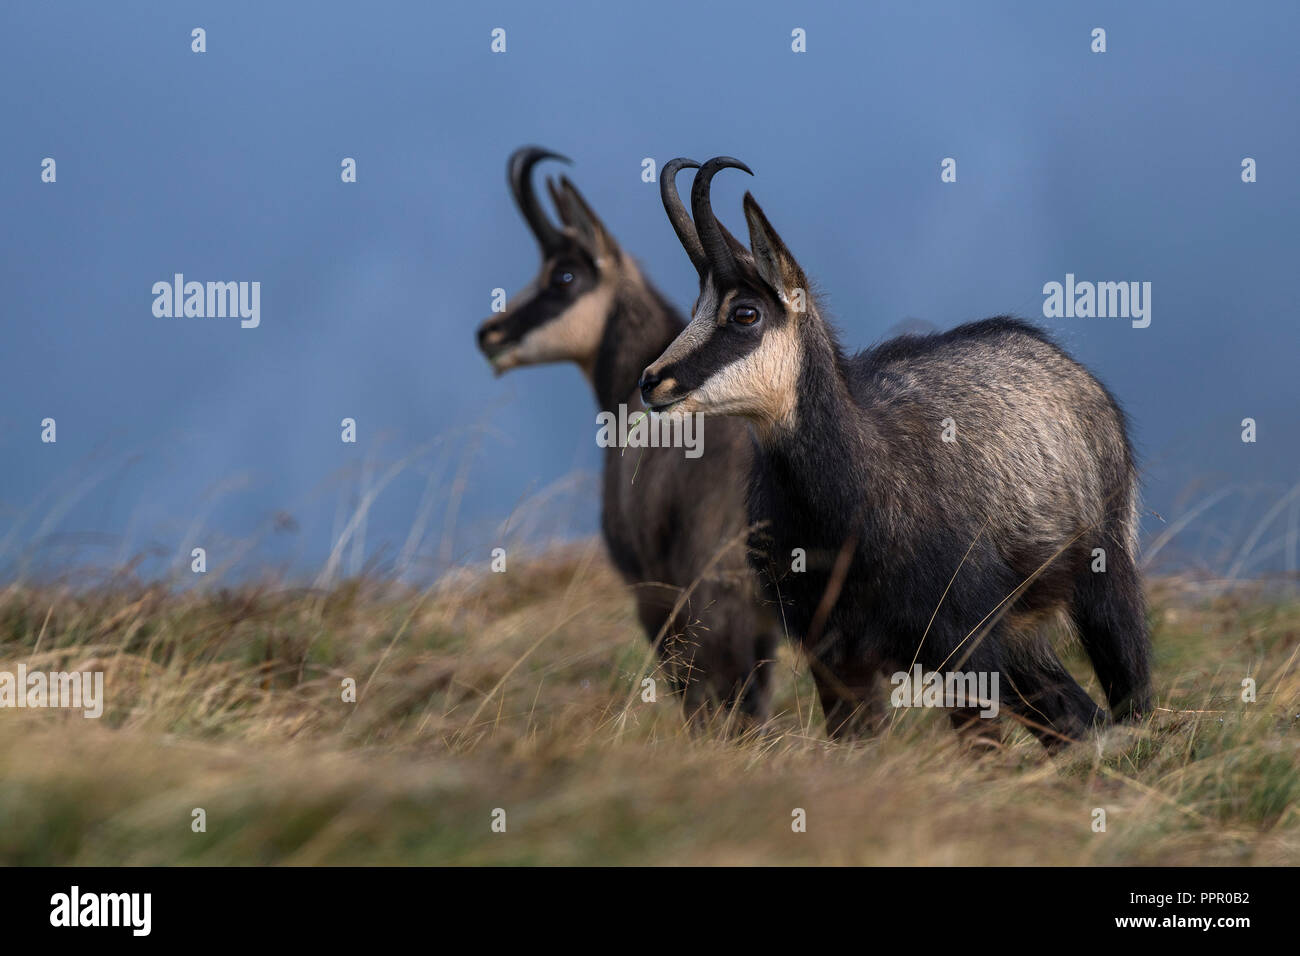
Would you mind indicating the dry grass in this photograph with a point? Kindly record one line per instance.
(518, 691)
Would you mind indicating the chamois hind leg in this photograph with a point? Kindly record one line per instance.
(1031, 682)
(1046, 696)
(1109, 612)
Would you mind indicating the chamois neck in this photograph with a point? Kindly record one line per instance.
(830, 436)
(641, 325)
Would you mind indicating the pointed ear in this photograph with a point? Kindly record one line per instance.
(584, 221)
(775, 263)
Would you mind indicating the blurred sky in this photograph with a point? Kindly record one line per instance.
(225, 166)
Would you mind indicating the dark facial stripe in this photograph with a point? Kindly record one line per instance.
(724, 346)
(547, 302)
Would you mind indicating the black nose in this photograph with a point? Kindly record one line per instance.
(489, 335)
(647, 384)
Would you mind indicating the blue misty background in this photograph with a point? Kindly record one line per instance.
(225, 166)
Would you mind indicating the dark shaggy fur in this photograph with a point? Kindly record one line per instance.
(667, 530)
(1041, 473)
(949, 554)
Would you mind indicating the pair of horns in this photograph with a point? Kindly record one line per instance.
(709, 245)
(519, 172)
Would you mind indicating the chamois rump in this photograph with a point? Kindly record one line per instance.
(950, 554)
(591, 305)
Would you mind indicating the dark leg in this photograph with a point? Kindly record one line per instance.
(1047, 698)
(1109, 611)
(850, 690)
(675, 650)
(1022, 674)
(745, 686)
(976, 731)
(718, 658)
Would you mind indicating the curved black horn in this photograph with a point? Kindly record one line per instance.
(721, 257)
(519, 172)
(677, 213)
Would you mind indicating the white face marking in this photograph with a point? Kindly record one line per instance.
(761, 386)
(572, 336)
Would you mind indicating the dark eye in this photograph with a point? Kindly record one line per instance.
(561, 277)
(744, 315)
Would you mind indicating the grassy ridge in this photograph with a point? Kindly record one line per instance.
(520, 691)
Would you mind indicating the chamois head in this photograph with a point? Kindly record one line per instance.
(560, 316)
(740, 354)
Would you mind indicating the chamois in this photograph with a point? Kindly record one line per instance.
(948, 490)
(591, 305)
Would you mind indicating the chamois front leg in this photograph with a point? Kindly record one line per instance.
(849, 687)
